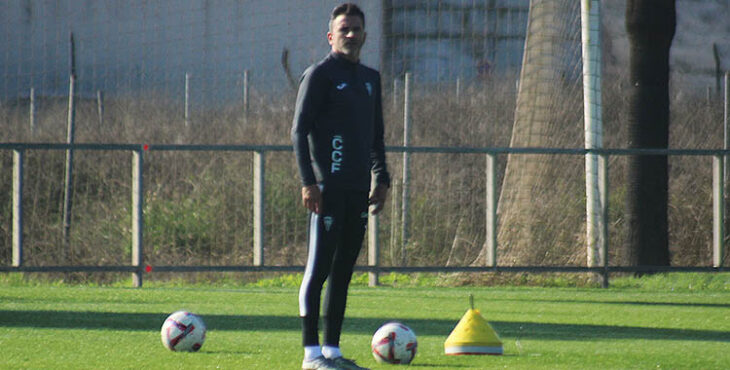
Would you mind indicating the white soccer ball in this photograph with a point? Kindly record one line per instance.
(183, 331)
(394, 343)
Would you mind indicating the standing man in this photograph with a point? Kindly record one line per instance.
(338, 141)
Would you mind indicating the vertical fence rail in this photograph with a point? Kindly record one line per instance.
(593, 126)
(137, 216)
(68, 182)
(718, 205)
(259, 162)
(727, 111)
(726, 145)
(491, 237)
(406, 167)
(604, 200)
(18, 207)
(603, 218)
(373, 244)
(70, 138)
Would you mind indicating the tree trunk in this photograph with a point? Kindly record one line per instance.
(538, 221)
(650, 25)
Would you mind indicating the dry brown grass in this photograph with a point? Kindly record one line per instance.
(199, 204)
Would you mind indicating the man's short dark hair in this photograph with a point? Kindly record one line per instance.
(347, 9)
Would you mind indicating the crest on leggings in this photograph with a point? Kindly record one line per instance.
(328, 222)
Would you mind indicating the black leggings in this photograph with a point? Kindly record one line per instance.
(335, 240)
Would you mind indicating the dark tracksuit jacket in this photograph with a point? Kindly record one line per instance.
(337, 135)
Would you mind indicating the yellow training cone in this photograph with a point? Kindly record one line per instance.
(473, 336)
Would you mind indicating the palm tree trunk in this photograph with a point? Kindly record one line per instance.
(650, 25)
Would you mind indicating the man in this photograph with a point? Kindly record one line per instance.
(337, 134)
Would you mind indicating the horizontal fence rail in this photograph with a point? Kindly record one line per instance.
(138, 267)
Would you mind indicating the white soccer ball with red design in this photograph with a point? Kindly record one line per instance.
(394, 343)
(183, 331)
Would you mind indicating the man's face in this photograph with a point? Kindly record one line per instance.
(346, 35)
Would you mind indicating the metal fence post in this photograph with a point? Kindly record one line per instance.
(258, 207)
(603, 224)
(726, 146)
(718, 205)
(373, 245)
(406, 166)
(491, 210)
(137, 216)
(18, 208)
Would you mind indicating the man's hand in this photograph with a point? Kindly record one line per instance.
(378, 197)
(312, 198)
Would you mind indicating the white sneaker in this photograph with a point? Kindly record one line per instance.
(347, 364)
(320, 363)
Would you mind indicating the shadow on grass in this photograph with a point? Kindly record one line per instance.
(513, 329)
(630, 303)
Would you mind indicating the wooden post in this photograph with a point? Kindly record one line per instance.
(259, 162)
(18, 208)
(137, 216)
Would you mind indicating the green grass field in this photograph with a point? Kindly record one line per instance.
(666, 325)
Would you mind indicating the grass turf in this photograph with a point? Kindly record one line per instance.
(257, 327)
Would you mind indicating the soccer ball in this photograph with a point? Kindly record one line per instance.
(183, 331)
(394, 343)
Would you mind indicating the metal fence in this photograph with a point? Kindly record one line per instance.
(138, 267)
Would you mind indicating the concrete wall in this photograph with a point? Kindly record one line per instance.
(445, 40)
(132, 45)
